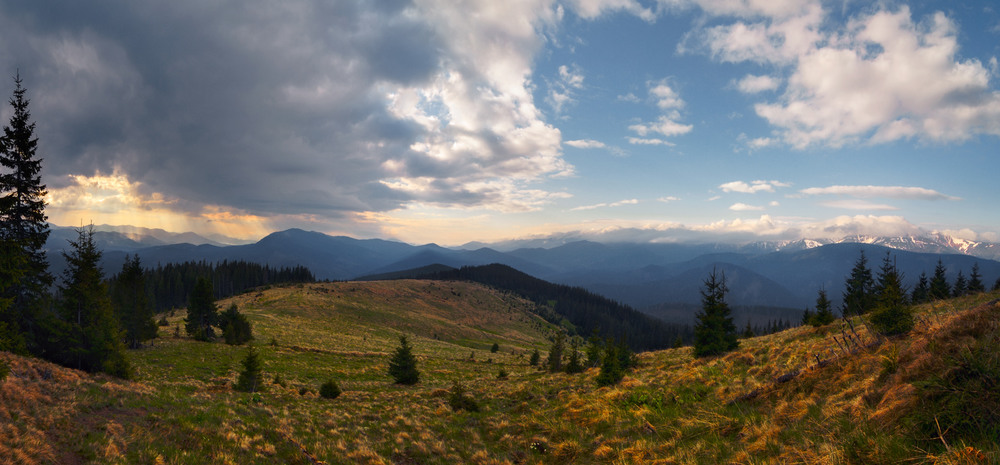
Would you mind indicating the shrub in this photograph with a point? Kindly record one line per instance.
(502, 374)
(495, 348)
(891, 320)
(458, 400)
(329, 390)
(163, 321)
(4, 370)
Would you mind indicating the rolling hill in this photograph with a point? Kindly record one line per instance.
(796, 396)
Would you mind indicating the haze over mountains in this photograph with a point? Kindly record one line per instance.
(766, 279)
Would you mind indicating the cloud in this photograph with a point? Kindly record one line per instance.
(648, 141)
(326, 113)
(592, 9)
(667, 124)
(896, 192)
(562, 91)
(668, 199)
(742, 207)
(753, 187)
(857, 205)
(606, 205)
(586, 144)
(751, 84)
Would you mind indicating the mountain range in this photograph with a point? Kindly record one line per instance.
(769, 280)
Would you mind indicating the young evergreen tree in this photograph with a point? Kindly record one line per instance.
(131, 302)
(961, 286)
(807, 316)
(892, 314)
(403, 364)
(93, 340)
(495, 348)
(594, 346)
(824, 314)
(975, 280)
(940, 289)
(23, 224)
(556, 353)
(858, 288)
(714, 332)
(251, 378)
(535, 358)
(748, 331)
(996, 285)
(921, 292)
(574, 364)
(236, 329)
(611, 370)
(202, 313)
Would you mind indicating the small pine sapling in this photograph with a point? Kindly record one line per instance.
(403, 365)
(329, 390)
(251, 379)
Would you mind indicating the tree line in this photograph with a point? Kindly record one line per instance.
(170, 285)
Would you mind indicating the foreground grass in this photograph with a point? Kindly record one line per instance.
(875, 405)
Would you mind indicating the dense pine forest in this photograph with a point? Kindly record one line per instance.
(586, 312)
(170, 285)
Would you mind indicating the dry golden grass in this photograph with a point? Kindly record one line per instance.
(672, 409)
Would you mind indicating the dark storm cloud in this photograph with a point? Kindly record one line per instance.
(274, 107)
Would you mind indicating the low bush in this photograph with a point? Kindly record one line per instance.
(329, 390)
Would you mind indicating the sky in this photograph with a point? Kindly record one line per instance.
(451, 121)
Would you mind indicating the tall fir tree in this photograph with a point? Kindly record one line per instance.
(23, 223)
(403, 364)
(961, 286)
(892, 314)
(131, 302)
(940, 289)
(714, 332)
(858, 288)
(921, 292)
(11, 337)
(202, 313)
(93, 340)
(824, 312)
(975, 280)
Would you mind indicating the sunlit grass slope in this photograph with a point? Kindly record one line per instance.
(876, 405)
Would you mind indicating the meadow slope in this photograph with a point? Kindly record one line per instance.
(794, 397)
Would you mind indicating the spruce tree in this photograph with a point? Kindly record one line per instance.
(574, 364)
(131, 302)
(23, 224)
(611, 370)
(921, 292)
(714, 332)
(202, 313)
(892, 314)
(858, 288)
(824, 314)
(961, 287)
(594, 350)
(251, 378)
(93, 340)
(535, 358)
(11, 337)
(975, 280)
(996, 285)
(940, 289)
(403, 365)
(556, 353)
(236, 329)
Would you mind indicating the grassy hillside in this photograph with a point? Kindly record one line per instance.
(925, 398)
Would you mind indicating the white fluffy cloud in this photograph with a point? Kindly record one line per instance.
(854, 204)
(752, 187)
(586, 144)
(742, 207)
(751, 84)
(667, 124)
